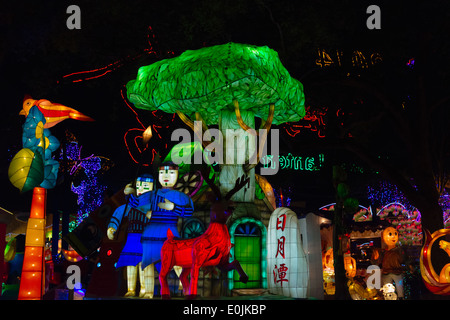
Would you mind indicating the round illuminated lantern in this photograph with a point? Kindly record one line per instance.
(26, 170)
(390, 237)
(436, 283)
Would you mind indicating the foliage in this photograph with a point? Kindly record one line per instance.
(207, 80)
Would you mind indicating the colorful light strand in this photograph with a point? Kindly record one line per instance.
(90, 190)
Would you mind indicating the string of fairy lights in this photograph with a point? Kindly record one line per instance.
(85, 174)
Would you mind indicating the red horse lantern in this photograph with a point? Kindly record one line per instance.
(211, 249)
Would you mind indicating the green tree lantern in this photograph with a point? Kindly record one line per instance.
(226, 85)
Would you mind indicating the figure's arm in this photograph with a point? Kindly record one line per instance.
(178, 203)
(184, 210)
(115, 222)
(145, 203)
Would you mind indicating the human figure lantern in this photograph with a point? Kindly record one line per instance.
(211, 249)
(135, 211)
(226, 85)
(167, 206)
(391, 259)
(287, 267)
(34, 168)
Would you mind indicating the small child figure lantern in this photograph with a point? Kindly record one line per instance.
(391, 260)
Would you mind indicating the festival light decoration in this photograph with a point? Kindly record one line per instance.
(221, 85)
(133, 135)
(294, 162)
(391, 259)
(283, 196)
(86, 171)
(313, 121)
(10, 250)
(328, 272)
(384, 193)
(32, 278)
(390, 237)
(211, 249)
(54, 113)
(25, 170)
(135, 213)
(38, 172)
(406, 222)
(358, 59)
(252, 81)
(99, 72)
(358, 292)
(288, 272)
(167, 205)
(389, 292)
(350, 266)
(437, 283)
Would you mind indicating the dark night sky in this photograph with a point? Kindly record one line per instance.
(37, 50)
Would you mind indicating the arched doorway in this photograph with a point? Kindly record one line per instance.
(248, 236)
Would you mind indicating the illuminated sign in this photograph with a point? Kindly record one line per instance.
(294, 162)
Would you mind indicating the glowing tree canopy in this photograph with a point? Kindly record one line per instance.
(227, 85)
(209, 79)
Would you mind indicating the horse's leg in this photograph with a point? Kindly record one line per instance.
(194, 281)
(198, 258)
(184, 280)
(234, 265)
(167, 260)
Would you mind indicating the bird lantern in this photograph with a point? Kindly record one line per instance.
(33, 168)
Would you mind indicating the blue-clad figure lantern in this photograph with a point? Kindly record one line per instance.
(135, 211)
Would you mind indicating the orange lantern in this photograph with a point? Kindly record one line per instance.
(32, 279)
(436, 283)
(350, 266)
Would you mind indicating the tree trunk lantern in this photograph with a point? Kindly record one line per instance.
(226, 85)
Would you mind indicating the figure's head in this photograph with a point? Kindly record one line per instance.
(168, 174)
(144, 183)
(390, 237)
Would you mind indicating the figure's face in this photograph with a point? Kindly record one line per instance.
(143, 187)
(168, 177)
(390, 237)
